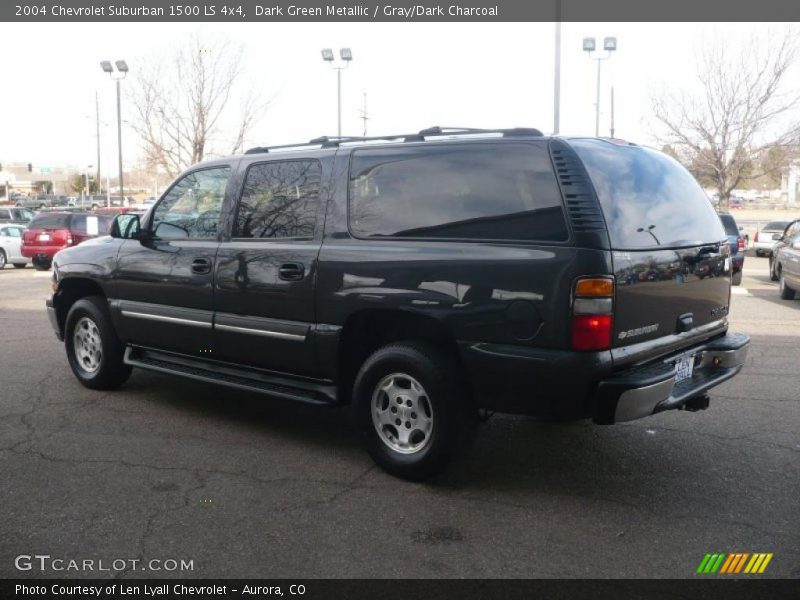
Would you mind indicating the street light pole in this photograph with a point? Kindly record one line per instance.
(346, 56)
(122, 71)
(557, 73)
(609, 45)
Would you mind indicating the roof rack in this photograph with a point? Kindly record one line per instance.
(335, 141)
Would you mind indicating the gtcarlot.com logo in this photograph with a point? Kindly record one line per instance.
(45, 562)
(734, 563)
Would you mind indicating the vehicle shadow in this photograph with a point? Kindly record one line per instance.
(773, 296)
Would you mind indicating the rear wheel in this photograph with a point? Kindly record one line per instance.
(94, 351)
(42, 264)
(787, 293)
(411, 410)
(737, 278)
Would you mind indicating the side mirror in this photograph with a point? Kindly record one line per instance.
(776, 237)
(126, 227)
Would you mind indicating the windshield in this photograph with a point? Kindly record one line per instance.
(776, 225)
(648, 199)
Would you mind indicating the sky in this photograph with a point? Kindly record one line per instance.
(415, 75)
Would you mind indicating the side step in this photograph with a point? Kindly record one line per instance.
(310, 392)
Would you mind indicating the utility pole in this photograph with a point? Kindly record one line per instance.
(364, 115)
(612, 111)
(557, 74)
(97, 115)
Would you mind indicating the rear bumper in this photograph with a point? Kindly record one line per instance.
(31, 251)
(565, 385)
(649, 389)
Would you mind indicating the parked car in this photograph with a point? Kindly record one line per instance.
(787, 267)
(50, 232)
(10, 242)
(737, 246)
(782, 239)
(42, 201)
(15, 214)
(421, 278)
(763, 241)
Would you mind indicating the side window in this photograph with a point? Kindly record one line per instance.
(14, 232)
(192, 208)
(791, 230)
(472, 191)
(279, 200)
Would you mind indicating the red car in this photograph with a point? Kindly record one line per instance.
(50, 232)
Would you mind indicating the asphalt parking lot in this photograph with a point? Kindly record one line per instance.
(245, 486)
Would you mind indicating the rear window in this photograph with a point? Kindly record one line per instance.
(50, 221)
(729, 224)
(777, 225)
(504, 191)
(648, 199)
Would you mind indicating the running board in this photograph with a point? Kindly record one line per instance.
(231, 376)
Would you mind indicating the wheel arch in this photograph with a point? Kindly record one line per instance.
(367, 330)
(70, 290)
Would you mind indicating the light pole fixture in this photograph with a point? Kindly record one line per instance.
(346, 55)
(120, 74)
(589, 46)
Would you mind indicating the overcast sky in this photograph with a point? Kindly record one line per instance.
(415, 75)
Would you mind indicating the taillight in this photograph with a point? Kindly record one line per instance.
(741, 243)
(592, 313)
(756, 238)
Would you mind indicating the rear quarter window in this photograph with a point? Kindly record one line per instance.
(729, 224)
(479, 191)
(648, 199)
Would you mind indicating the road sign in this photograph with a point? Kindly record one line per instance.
(44, 169)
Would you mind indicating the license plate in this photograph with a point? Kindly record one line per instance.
(44, 237)
(684, 366)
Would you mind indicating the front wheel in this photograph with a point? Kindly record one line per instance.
(737, 278)
(3, 258)
(94, 351)
(411, 410)
(787, 293)
(773, 276)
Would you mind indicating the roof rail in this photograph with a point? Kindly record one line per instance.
(335, 141)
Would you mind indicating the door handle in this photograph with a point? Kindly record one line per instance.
(291, 271)
(201, 266)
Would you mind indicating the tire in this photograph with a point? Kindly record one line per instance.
(20, 265)
(3, 258)
(737, 278)
(426, 396)
(94, 351)
(759, 253)
(773, 276)
(787, 293)
(42, 265)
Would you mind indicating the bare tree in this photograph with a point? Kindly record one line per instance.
(723, 131)
(184, 109)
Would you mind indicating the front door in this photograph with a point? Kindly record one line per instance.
(264, 287)
(164, 284)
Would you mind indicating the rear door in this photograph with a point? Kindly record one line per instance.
(264, 286)
(669, 249)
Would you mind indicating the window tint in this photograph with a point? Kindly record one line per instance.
(91, 224)
(469, 191)
(777, 225)
(792, 229)
(192, 207)
(729, 224)
(50, 221)
(279, 200)
(648, 199)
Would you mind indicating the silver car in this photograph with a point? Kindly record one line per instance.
(763, 242)
(10, 242)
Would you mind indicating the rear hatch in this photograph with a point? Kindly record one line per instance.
(669, 250)
(46, 230)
